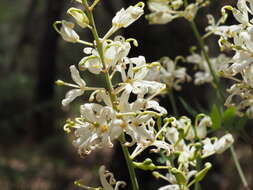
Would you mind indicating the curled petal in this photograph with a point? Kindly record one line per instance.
(155, 105)
(103, 180)
(124, 18)
(76, 76)
(71, 95)
(170, 187)
(223, 143)
(67, 32)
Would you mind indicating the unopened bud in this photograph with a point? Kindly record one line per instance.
(156, 175)
(59, 82)
(80, 17)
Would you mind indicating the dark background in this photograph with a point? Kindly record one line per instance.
(35, 153)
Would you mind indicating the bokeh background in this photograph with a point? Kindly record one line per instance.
(35, 153)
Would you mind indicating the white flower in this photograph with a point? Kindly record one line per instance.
(202, 126)
(239, 38)
(164, 11)
(186, 155)
(243, 93)
(114, 52)
(96, 128)
(134, 79)
(80, 17)
(208, 147)
(225, 31)
(241, 15)
(138, 124)
(81, 86)
(219, 64)
(92, 62)
(108, 184)
(169, 73)
(67, 32)
(124, 18)
(201, 129)
(139, 127)
(160, 18)
(161, 13)
(223, 143)
(158, 6)
(170, 187)
(190, 11)
(172, 135)
(107, 181)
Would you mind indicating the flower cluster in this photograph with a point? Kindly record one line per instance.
(164, 11)
(204, 75)
(107, 180)
(129, 107)
(110, 113)
(238, 38)
(188, 143)
(169, 73)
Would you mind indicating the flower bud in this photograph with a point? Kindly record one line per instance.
(181, 178)
(240, 17)
(190, 12)
(66, 31)
(200, 175)
(223, 143)
(80, 17)
(124, 18)
(59, 83)
(177, 4)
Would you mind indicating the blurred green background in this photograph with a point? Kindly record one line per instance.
(35, 153)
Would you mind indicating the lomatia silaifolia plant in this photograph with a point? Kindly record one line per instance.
(183, 143)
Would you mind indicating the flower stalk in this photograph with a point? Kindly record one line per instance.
(110, 89)
(221, 98)
(129, 162)
(239, 168)
(201, 43)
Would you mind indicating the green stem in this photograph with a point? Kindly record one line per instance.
(94, 4)
(202, 47)
(221, 98)
(173, 103)
(219, 93)
(239, 168)
(112, 94)
(198, 167)
(130, 166)
(99, 46)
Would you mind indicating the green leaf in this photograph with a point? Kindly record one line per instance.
(216, 117)
(188, 108)
(159, 123)
(240, 123)
(200, 175)
(147, 164)
(229, 117)
(181, 178)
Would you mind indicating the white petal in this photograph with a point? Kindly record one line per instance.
(71, 95)
(240, 17)
(76, 76)
(67, 32)
(224, 143)
(124, 18)
(155, 105)
(103, 180)
(169, 187)
(88, 50)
